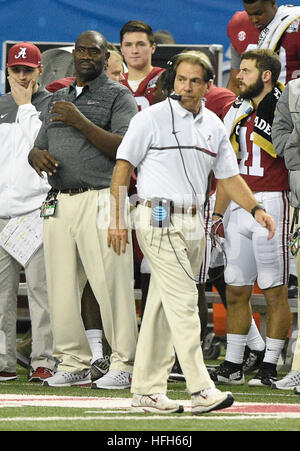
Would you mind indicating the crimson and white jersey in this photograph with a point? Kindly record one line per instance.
(290, 51)
(144, 95)
(244, 36)
(215, 100)
(261, 171)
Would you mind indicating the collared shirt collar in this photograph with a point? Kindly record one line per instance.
(92, 85)
(183, 112)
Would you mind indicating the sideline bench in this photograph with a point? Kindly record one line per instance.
(258, 306)
(257, 301)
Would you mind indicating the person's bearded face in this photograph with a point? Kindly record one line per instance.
(250, 79)
(252, 90)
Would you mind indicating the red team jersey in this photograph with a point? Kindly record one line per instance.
(217, 98)
(144, 95)
(261, 171)
(242, 33)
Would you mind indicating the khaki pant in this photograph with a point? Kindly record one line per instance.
(296, 359)
(171, 320)
(38, 305)
(76, 250)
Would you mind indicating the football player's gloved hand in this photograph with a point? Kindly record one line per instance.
(217, 233)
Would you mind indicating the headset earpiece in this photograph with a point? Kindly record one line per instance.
(169, 76)
(170, 73)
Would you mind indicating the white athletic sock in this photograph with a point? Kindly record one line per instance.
(254, 339)
(274, 347)
(235, 348)
(94, 337)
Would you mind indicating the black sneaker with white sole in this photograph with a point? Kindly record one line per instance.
(227, 373)
(252, 360)
(293, 286)
(266, 376)
(99, 368)
(176, 373)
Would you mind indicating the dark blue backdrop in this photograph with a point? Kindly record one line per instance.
(190, 21)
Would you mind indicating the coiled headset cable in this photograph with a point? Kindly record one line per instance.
(218, 244)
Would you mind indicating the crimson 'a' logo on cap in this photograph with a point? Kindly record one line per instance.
(22, 53)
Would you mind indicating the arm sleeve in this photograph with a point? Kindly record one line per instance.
(284, 135)
(235, 58)
(226, 164)
(124, 108)
(137, 140)
(41, 140)
(29, 122)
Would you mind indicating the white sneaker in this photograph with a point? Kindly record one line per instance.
(5, 376)
(289, 382)
(297, 390)
(210, 399)
(157, 403)
(113, 380)
(64, 379)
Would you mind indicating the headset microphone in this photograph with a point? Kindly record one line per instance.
(175, 97)
(168, 76)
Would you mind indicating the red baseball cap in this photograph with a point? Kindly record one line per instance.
(24, 54)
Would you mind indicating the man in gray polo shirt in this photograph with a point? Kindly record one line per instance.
(76, 147)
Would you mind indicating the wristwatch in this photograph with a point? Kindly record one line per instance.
(257, 207)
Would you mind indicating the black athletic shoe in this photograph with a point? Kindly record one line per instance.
(99, 368)
(176, 373)
(252, 360)
(266, 376)
(293, 286)
(227, 373)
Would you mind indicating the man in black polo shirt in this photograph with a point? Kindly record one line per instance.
(76, 147)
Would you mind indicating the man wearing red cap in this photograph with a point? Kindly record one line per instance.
(22, 192)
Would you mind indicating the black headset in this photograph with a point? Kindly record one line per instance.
(170, 73)
(168, 78)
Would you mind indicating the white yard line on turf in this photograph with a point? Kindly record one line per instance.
(111, 408)
(273, 393)
(97, 402)
(154, 417)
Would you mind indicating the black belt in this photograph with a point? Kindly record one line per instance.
(179, 209)
(72, 191)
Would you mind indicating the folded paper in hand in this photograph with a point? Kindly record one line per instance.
(23, 236)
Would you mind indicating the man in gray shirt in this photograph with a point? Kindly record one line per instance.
(286, 140)
(76, 147)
